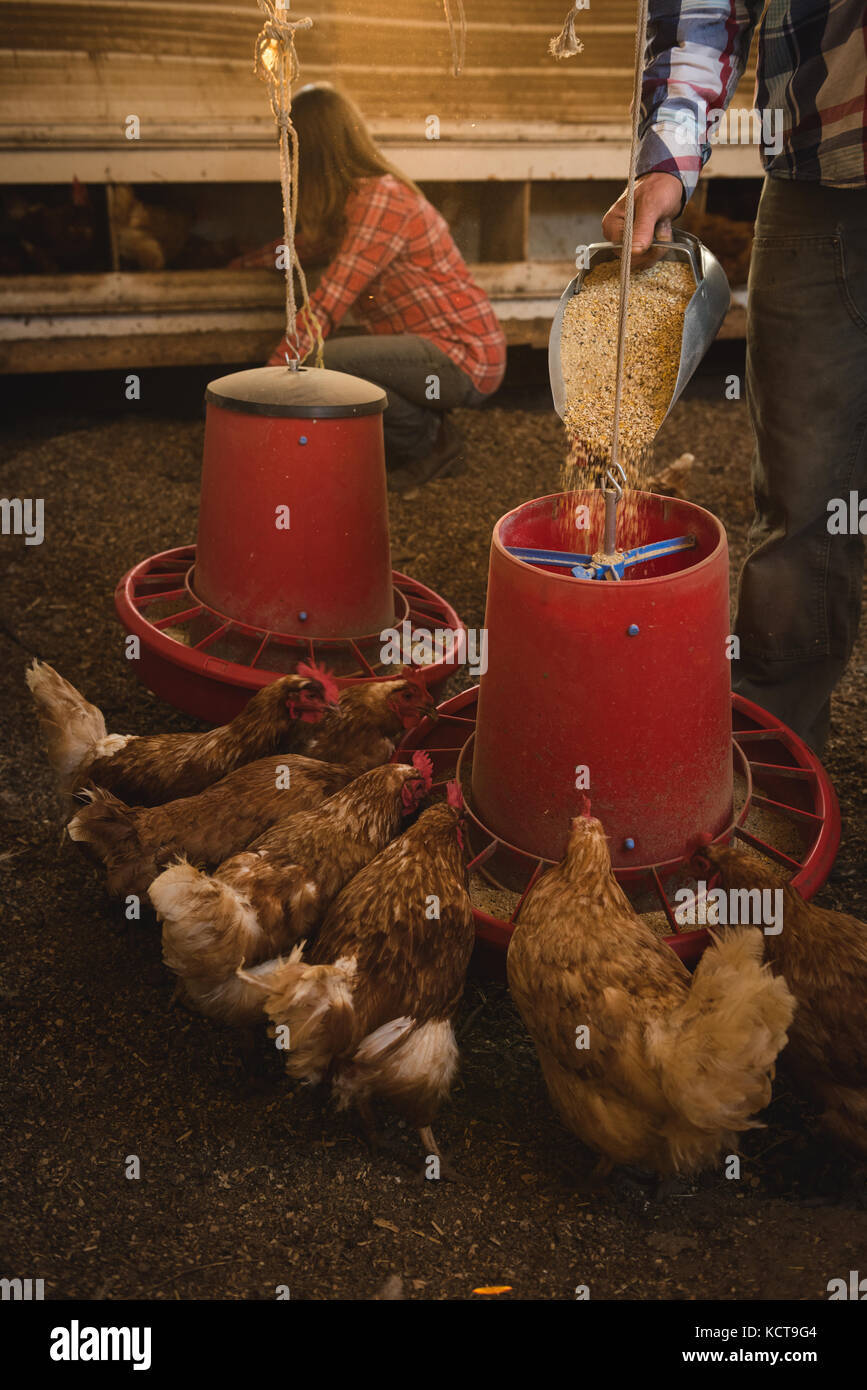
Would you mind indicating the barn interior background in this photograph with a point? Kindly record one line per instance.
(527, 159)
(113, 258)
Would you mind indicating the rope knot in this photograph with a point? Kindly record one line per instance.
(276, 62)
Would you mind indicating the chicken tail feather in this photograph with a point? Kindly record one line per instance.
(412, 1065)
(71, 725)
(209, 928)
(108, 829)
(238, 1000)
(314, 1003)
(715, 1053)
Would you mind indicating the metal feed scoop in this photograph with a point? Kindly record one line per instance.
(701, 322)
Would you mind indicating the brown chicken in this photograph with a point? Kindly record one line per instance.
(672, 481)
(51, 232)
(147, 235)
(369, 1006)
(262, 901)
(368, 721)
(822, 955)
(135, 843)
(160, 767)
(648, 1066)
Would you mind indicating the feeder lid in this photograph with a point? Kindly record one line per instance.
(306, 393)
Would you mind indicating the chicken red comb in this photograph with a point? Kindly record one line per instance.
(312, 671)
(698, 857)
(415, 677)
(424, 764)
(697, 845)
(585, 805)
(454, 796)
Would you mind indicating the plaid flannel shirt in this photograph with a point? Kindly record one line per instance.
(399, 271)
(811, 69)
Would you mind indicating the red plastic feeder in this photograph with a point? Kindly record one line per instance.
(630, 681)
(292, 561)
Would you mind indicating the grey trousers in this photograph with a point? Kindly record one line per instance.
(420, 381)
(799, 599)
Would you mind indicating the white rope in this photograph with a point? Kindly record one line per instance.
(457, 34)
(567, 42)
(628, 221)
(276, 62)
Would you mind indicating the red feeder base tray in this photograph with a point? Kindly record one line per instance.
(782, 785)
(209, 665)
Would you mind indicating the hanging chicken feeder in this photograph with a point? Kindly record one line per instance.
(620, 689)
(292, 561)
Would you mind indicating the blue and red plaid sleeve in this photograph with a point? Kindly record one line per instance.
(696, 55)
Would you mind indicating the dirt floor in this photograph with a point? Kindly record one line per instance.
(244, 1190)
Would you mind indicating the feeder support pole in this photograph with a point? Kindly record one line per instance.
(609, 542)
(612, 491)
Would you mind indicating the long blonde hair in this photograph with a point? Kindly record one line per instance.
(335, 150)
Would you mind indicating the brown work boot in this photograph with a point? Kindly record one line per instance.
(446, 459)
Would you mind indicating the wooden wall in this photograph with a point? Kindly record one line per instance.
(72, 69)
(531, 152)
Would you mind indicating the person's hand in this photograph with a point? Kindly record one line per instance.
(657, 201)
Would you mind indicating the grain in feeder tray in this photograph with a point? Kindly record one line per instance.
(658, 296)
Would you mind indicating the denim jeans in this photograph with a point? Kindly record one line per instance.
(799, 599)
(420, 381)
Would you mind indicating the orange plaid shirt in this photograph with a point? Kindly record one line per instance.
(399, 271)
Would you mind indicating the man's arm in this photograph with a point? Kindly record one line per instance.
(697, 52)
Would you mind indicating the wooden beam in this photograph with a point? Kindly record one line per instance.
(49, 95)
(93, 354)
(183, 349)
(164, 292)
(132, 320)
(436, 161)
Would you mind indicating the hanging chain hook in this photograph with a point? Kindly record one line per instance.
(611, 483)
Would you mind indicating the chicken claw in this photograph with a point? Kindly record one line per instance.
(446, 1171)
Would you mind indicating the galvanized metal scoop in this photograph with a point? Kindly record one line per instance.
(701, 322)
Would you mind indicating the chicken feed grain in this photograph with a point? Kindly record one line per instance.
(658, 296)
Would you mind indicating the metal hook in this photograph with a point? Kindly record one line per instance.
(613, 482)
(293, 363)
(612, 491)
